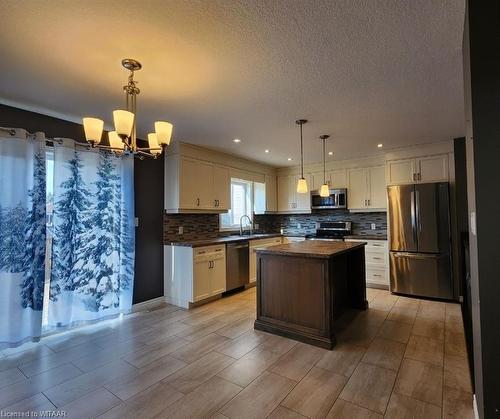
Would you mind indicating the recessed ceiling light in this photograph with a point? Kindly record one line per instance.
(266, 150)
(380, 145)
(330, 153)
(290, 159)
(236, 140)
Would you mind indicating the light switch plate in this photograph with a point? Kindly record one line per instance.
(181, 230)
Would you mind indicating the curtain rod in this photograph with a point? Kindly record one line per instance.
(58, 140)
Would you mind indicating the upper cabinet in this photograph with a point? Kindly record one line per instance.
(417, 170)
(195, 186)
(366, 189)
(271, 198)
(264, 195)
(288, 198)
(334, 178)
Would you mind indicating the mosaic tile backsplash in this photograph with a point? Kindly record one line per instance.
(202, 226)
(302, 224)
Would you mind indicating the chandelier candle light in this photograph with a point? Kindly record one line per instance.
(324, 192)
(124, 138)
(302, 183)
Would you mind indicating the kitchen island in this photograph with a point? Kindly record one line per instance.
(302, 288)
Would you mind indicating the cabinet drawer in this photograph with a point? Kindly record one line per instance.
(202, 251)
(376, 258)
(377, 276)
(376, 244)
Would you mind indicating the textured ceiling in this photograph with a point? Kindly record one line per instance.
(365, 72)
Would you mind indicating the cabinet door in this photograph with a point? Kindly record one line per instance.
(401, 172)
(218, 275)
(377, 186)
(252, 265)
(283, 193)
(337, 179)
(302, 200)
(433, 168)
(196, 183)
(357, 189)
(188, 187)
(201, 279)
(271, 198)
(317, 180)
(221, 188)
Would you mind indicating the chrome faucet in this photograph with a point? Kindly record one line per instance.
(241, 224)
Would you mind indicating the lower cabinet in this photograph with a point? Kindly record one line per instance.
(254, 244)
(376, 263)
(194, 274)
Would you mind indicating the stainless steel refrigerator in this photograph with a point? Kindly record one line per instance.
(420, 240)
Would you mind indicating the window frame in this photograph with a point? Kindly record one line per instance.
(249, 204)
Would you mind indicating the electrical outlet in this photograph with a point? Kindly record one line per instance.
(299, 225)
(373, 226)
(256, 226)
(181, 230)
(136, 221)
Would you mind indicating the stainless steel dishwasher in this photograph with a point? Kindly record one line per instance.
(236, 265)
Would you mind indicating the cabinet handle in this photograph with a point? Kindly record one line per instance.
(377, 275)
(377, 258)
(419, 176)
(369, 202)
(197, 202)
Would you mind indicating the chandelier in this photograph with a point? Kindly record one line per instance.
(124, 138)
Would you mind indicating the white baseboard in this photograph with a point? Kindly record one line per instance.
(147, 304)
(176, 301)
(474, 406)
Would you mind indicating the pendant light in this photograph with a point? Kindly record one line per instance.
(324, 192)
(302, 183)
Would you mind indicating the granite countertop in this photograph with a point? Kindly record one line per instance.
(367, 236)
(311, 248)
(222, 240)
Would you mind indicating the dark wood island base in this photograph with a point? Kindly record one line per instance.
(302, 288)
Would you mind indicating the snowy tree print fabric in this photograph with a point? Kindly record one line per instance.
(22, 236)
(92, 237)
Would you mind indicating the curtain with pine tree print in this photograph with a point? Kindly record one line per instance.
(92, 237)
(22, 236)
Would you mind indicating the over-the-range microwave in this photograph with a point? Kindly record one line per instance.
(336, 200)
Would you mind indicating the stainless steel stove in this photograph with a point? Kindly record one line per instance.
(331, 231)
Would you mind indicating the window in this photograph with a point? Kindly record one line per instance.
(241, 204)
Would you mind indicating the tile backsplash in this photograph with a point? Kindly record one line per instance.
(195, 226)
(202, 226)
(302, 224)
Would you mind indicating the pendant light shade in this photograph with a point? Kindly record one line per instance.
(124, 122)
(115, 141)
(302, 183)
(163, 132)
(302, 186)
(93, 129)
(153, 144)
(324, 192)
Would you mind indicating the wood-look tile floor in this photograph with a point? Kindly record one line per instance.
(401, 358)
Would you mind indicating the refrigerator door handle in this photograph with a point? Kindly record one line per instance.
(417, 255)
(417, 215)
(413, 216)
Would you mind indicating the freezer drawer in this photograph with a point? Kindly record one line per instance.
(420, 274)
